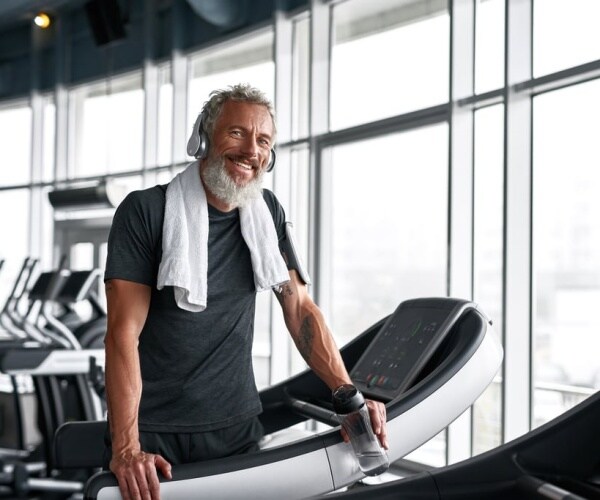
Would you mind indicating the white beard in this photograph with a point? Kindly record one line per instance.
(221, 185)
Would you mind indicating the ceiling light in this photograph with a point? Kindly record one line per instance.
(42, 20)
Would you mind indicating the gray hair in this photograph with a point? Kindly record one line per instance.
(242, 92)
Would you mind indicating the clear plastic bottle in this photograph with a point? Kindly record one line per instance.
(350, 406)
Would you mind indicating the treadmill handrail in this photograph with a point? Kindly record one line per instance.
(313, 411)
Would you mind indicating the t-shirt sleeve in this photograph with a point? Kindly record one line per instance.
(277, 212)
(135, 238)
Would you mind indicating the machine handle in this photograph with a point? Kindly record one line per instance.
(310, 410)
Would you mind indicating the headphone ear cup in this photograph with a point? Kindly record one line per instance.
(197, 145)
(272, 158)
(203, 149)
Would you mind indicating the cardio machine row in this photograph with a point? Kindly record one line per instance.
(46, 350)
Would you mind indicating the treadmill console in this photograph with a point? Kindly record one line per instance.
(405, 343)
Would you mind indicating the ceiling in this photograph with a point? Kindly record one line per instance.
(225, 13)
(20, 12)
(74, 52)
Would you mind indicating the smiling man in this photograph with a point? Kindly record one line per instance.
(184, 264)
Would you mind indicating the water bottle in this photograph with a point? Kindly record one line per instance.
(349, 404)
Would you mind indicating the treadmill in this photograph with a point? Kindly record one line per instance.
(428, 362)
(559, 460)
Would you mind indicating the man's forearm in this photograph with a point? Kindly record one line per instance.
(317, 346)
(123, 392)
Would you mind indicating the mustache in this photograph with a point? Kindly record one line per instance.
(244, 159)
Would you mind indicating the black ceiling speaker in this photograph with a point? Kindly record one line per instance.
(105, 20)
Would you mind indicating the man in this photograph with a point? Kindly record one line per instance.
(179, 379)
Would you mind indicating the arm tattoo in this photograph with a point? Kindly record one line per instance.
(286, 291)
(304, 341)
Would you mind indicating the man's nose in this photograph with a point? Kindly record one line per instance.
(250, 145)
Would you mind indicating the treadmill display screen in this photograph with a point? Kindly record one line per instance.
(403, 346)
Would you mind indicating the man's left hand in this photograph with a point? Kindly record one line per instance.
(378, 417)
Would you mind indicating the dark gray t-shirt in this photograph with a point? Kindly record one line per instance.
(196, 367)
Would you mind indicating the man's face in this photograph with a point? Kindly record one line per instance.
(242, 139)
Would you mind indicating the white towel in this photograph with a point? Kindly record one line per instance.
(184, 263)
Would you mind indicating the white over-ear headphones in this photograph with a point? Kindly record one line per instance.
(197, 145)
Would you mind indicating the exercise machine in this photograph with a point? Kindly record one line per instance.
(64, 393)
(42, 349)
(559, 460)
(428, 362)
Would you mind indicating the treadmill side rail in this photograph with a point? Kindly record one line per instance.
(297, 477)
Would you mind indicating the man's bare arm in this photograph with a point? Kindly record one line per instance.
(315, 343)
(310, 333)
(128, 305)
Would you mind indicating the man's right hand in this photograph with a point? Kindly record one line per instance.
(136, 472)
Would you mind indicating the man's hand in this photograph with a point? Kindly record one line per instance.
(137, 476)
(378, 417)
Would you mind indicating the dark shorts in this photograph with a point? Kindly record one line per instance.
(186, 447)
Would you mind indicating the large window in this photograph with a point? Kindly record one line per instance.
(107, 126)
(165, 115)
(300, 74)
(248, 62)
(489, 45)
(15, 131)
(565, 34)
(384, 191)
(566, 248)
(49, 140)
(14, 246)
(389, 57)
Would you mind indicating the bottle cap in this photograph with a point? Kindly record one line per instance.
(346, 399)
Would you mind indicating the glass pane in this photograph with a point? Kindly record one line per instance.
(131, 183)
(49, 138)
(46, 226)
(432, 453)
(165, 116)
(489, 45)
(300, 82)
(15, 131)
(108, 127)
(565, 34)
(488, 258)
(381, 252)
(15, 242)
(364, 89)
(566, 248)
(391, 245)
(164, 177)
(249, 62)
